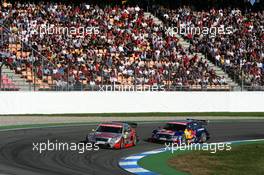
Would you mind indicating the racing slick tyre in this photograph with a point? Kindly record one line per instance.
(203, 138)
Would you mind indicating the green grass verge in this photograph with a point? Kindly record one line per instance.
(158, 163)
(244, 158)
(241, 160)
(151, 114)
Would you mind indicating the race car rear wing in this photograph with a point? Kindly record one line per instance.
(202, 122)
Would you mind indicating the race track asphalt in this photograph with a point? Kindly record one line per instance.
(18, 158)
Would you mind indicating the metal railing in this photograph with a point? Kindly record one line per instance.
(123, 88)
(126, 88)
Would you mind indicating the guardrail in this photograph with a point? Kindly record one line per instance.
(128, 102)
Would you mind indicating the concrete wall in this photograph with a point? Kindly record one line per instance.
(114, 102)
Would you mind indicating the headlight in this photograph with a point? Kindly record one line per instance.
(115, 140)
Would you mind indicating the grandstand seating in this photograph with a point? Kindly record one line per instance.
(236, 52)
(7, 84)
(130, 49)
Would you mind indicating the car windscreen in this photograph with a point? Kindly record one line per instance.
(175, 127)
(109, 129)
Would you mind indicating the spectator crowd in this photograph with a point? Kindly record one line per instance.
(120, 45)
(240, 52)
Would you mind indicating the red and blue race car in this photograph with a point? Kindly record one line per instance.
(189, 131)
(115, 135)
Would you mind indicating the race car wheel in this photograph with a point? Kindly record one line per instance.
(135, 141)
(122, 144)
(203, 137)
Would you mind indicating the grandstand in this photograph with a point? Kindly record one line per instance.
(57, 46)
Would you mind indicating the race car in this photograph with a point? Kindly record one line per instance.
(115, 135)
(189, 131)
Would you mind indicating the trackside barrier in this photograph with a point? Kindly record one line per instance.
(128, 102)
